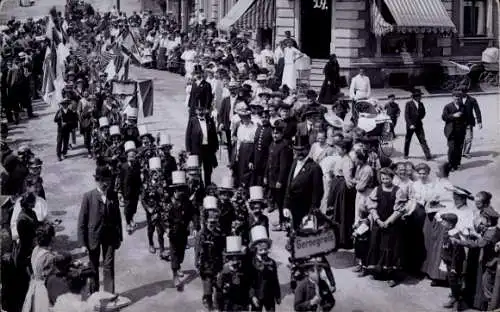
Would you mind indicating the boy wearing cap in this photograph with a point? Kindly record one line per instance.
(66, 121)
(209, 249)
(180, 212)
(393, 111)
(265, 290)
(453, 256)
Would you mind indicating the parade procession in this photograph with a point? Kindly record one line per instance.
(149, 165)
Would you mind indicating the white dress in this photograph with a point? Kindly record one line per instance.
(188, 57)
(289, 72)
(327, 165)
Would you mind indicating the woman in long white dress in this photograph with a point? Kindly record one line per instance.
(291, 55)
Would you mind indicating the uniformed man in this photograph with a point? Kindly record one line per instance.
(209, 248)
(180, 213)
(262, 141)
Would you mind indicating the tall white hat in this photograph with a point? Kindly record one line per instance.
(103, 122)
(143, 130)
(234, 245)
(132, 112)
(164, 139)
(178, 178)
(258, 234)
(192, 162)
(129, 146)
(227, 183)
(256, 193)
(114, 130)
(154, 163)
(210, 202)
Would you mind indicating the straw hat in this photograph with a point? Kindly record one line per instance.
(333, 120)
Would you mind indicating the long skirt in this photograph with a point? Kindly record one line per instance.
(433, 240)
(289, 76)
(328, 93)
(37, 298)
(279, 69)
(473, 292)
(244, 158)
(341, 210)
(385, 247)
(414, 244)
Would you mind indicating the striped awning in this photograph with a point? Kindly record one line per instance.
(380, 26)
(260, 15)
(420, 16)
(250, 14)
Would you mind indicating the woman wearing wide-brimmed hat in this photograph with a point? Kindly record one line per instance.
(244, 151)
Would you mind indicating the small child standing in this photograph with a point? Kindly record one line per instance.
(453, 257)
(265, 290)
(361, 236)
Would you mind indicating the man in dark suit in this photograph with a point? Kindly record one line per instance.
(277, 169)
(66, 120)
(226, 113)
(472, 114)
(100, 228)
(201, 140)
(455, 119)
(305, 129)
(201, 92)
(305, 184)
(130, 185)
(414, 113)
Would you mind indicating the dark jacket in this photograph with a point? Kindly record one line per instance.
(66, 120)
(262, 141)
(179, 214)
(232, 290)
(224, 115)
(194, 136)
(265, 284)
(306, 189)
(100, 223)
(414, 116)
(130, 180)
(306, 291)
(453, 255)
(471, 109)
(305, 133)
(209, 248)
(279, 163)
(201, 95)
(454, 125)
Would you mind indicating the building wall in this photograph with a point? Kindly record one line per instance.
(287, 13)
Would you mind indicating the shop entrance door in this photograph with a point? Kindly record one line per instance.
(315, 27)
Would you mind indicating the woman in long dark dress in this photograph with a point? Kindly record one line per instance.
(385, 252)
(27, 224)
(330, 87)
(341, 200)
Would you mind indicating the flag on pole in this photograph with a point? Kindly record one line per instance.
(118, 67)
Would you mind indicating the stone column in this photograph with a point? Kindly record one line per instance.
(420, 45)
(185, 14)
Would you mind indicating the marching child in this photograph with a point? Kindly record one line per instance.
(453, 257)
(196, 188)
(101, 143)
(256, 205)
(180, 213)
(168, 162)
(209, 248)
(265, 290)
(147, 149)
(226, 207)
(35, 170)
(233, 283)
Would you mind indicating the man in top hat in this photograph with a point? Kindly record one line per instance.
(277, 170)
(66, 120)
(472, 115)
(262, 140)
(305, 183)
(129, 128)
(225, 114)
(209, 249)
(456, 123)
(180, 213)
(130, 184)
(414, 114)
(100, 228)
(201, 92)
(202, 140)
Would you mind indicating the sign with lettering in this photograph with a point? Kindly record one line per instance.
(320, 243)
(320, 4)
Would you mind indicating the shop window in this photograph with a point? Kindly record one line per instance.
(474, 18)
(397, 43)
